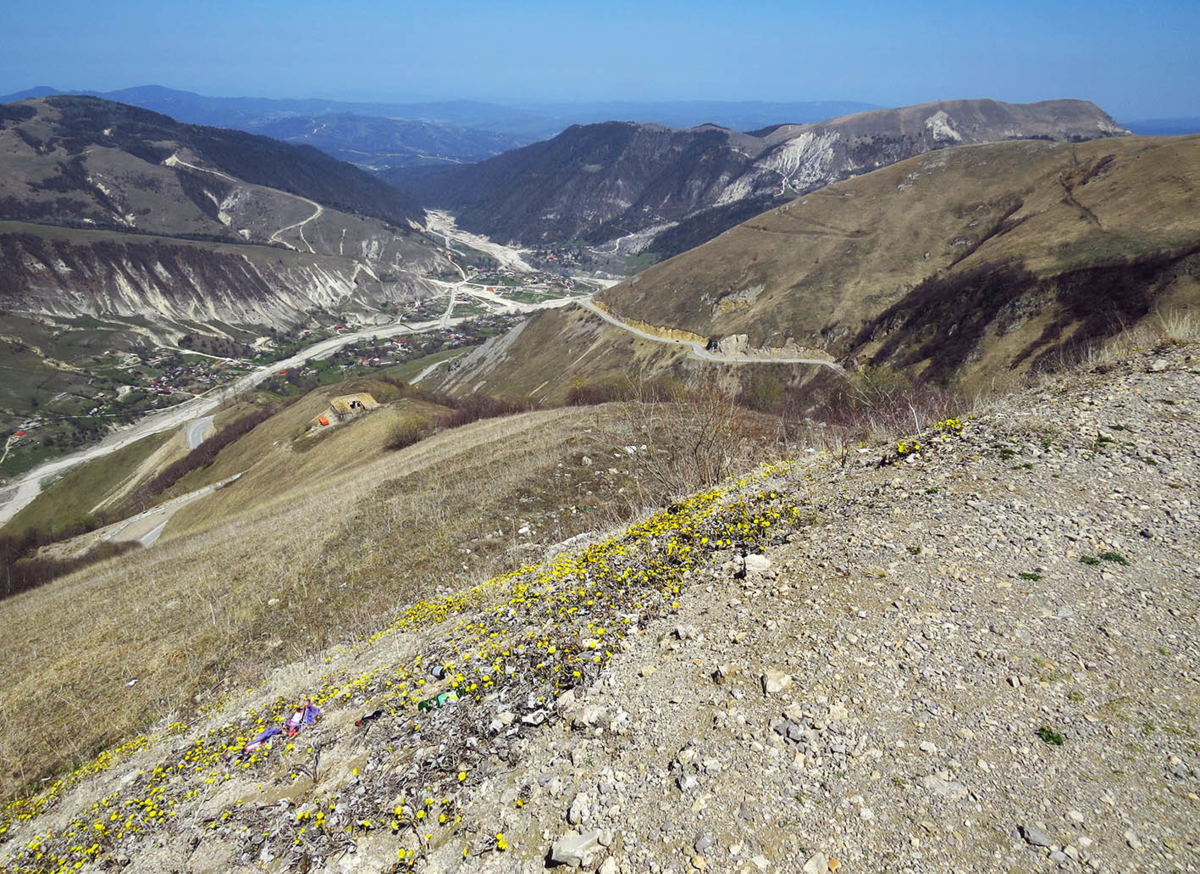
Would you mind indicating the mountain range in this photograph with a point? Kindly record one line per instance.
(527, 121)
(649, 188)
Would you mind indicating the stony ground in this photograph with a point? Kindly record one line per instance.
(982, 655)
(939, 614)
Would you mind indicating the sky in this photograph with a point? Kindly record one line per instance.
(1135, 58)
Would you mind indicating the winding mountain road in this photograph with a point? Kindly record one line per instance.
(318, 210)
(197, 431)
(700, 351)
(274, 238)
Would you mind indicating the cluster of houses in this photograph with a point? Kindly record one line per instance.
(193, 378)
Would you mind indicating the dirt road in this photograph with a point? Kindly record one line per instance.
(700, 351)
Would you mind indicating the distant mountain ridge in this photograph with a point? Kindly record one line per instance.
(528, 121)
(380, 143)
(666, 190)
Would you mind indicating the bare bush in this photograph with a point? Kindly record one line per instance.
(693, 438)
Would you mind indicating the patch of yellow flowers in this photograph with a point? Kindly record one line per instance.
(555, 624)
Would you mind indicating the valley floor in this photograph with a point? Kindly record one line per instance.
(981, 655)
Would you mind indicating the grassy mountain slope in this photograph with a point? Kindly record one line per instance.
(961, 266)
(76, 124)
(1016, 248)
(334, 527)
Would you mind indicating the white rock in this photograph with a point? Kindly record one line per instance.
(775, 682)
(817, 864)
(757, 564)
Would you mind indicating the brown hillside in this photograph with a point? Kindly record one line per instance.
(825, 268)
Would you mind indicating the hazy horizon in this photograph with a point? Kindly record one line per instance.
(1135, 62)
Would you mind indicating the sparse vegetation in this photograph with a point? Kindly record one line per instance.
(1050, 737)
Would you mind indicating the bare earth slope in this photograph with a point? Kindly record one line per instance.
(981, 656)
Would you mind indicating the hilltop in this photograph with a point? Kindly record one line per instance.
(647, 188)
(826, 659)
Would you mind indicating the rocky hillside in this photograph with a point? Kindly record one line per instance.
(117, 211)
(649, 188)
(970, 648)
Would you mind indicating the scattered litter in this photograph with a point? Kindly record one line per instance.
(438, 701)
(131, 684)
(263, 740)
(305, 715)
(370, 717)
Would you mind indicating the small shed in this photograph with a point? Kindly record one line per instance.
(349, 405)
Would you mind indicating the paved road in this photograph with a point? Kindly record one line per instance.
(197, 431)
(145, 528)
(702, 352)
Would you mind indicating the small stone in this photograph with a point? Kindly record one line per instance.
(946, 788)
(574, 849)
(724, 673)
(817, 864)
(1159, 365)
(609, 866)
(1074, 816)
(1035, 836)
(774, 682)
(757, 564)
(866, 814)
(834, 864)
(698, 863)
(578, 812)
(703, 842)
(928, 746)
(646, 670)
(761, 862)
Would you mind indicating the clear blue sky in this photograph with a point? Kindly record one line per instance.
(1136, 58)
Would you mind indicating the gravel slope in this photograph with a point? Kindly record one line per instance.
(922, 664)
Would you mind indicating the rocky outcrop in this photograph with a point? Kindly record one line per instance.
(163, 281)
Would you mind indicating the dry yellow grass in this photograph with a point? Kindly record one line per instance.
(341, 535)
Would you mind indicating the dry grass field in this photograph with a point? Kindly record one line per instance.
(321, 543)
